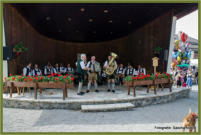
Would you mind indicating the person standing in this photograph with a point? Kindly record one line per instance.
(189, 81)
(36, 71)
(178, 79)
(196, 76)
(94, 68)
(110, 78)
(120, 74)
(81, 71)
(27, 70)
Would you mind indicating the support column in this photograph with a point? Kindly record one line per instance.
(171, 46)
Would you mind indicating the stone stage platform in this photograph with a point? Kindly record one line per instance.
(52, 98)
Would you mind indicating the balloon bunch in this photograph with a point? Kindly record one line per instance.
(182, 53)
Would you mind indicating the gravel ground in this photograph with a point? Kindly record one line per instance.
(142, 119)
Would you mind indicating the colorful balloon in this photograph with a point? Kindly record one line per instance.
(178, 59)
(183, 37)
(176, 44)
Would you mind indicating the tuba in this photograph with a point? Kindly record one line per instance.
(111, 65)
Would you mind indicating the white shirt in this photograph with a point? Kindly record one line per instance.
(25, 71)
(82, 65)
(106, 63)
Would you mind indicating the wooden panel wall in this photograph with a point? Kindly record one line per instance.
(135, 48)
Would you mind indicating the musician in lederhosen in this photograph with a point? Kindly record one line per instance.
(62, 69)
(48, 70)
(110, 78)
(141, 70)
(56, 69)
(36, 71)
(130, 70)
(27, 71)
(81, 71)
(69, 69)
(120, 74)
(93, 70)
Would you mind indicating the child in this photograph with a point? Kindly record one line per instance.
(189, 81)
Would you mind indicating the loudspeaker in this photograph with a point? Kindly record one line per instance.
(7, 53)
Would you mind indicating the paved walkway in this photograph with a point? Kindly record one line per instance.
(142, 119)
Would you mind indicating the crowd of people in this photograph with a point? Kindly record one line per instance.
(185, 79)
(91, 72)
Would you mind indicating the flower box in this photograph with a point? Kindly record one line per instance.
(24, 84)
(143, 82)
(130, 83)
(163, 81)
(53, 85)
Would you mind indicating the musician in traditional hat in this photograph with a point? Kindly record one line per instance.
(27, 71)
(81, 71)
(110, 78)
(93, 70)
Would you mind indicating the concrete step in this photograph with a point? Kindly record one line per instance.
(106, 107)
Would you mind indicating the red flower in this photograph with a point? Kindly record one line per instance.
(55, 74)
(138, 78)
(59, 75)
(72, 78)
(70, 74)
(36, 78)
(25, 79)
(52, 74)
(133, 78)
(41, 77)
(168, 75)
(13, 78)
(30, 79)
(148, 75)
(19, 77)
(142, 77)
(10, 74)
(56, 79)
(49, 76)
(64, 77)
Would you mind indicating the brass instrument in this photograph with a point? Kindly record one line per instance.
(111, 65)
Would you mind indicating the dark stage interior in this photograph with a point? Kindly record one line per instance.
(57, 32)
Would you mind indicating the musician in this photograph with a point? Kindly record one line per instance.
(141, 70)
(56, 69)
(120, 74)
(93, 70)
(81, 71)
(69, 69)
(36, 71)
(130, 70)
(27, 70)
(110, 78)
(62, 69)
(48, 70)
